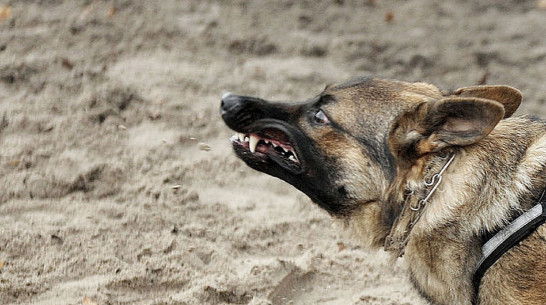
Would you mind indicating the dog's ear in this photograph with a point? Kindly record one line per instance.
(452, 121)
(509, 97)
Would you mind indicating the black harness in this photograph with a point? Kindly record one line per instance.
(508, 237)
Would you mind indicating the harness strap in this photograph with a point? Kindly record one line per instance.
(508, 237)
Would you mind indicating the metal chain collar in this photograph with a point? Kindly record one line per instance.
(411, 213)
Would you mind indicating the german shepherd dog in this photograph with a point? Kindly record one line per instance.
(372, 152)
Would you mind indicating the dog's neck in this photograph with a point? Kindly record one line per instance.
(416, 196)
(470, 189)
(373, 222)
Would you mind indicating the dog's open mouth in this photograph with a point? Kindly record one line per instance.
(270, 144)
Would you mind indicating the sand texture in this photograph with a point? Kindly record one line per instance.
(117, 180)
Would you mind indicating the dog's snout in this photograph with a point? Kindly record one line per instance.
(231, 109)
(229, 101)
(239, 111)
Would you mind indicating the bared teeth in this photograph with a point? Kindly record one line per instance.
(253, 143)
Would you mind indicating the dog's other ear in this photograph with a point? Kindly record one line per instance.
(509, 97)
(452, 121)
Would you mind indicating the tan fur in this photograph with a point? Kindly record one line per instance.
(443, 247)
(474, 198)
(386, 138)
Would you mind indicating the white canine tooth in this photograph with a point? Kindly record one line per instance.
(292, 157)
(294, 154)
(274, 145)
(253, 143)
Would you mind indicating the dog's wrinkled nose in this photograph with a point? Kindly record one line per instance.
(228, 102)
(240, 111)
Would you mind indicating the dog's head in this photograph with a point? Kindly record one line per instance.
(345, 146)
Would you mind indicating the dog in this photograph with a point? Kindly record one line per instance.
(425, 173)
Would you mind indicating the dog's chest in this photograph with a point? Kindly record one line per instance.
(438, 263)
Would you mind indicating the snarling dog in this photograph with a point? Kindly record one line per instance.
(425, 173)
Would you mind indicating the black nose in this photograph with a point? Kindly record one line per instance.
(240, 111)
(229, 100)
(232, 110)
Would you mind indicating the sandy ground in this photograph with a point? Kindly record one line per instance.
(117, 181)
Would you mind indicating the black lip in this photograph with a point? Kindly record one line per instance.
(258, 128)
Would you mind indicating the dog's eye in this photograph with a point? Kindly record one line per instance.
(321, 118)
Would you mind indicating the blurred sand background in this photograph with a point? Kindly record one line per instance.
(117, 180)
